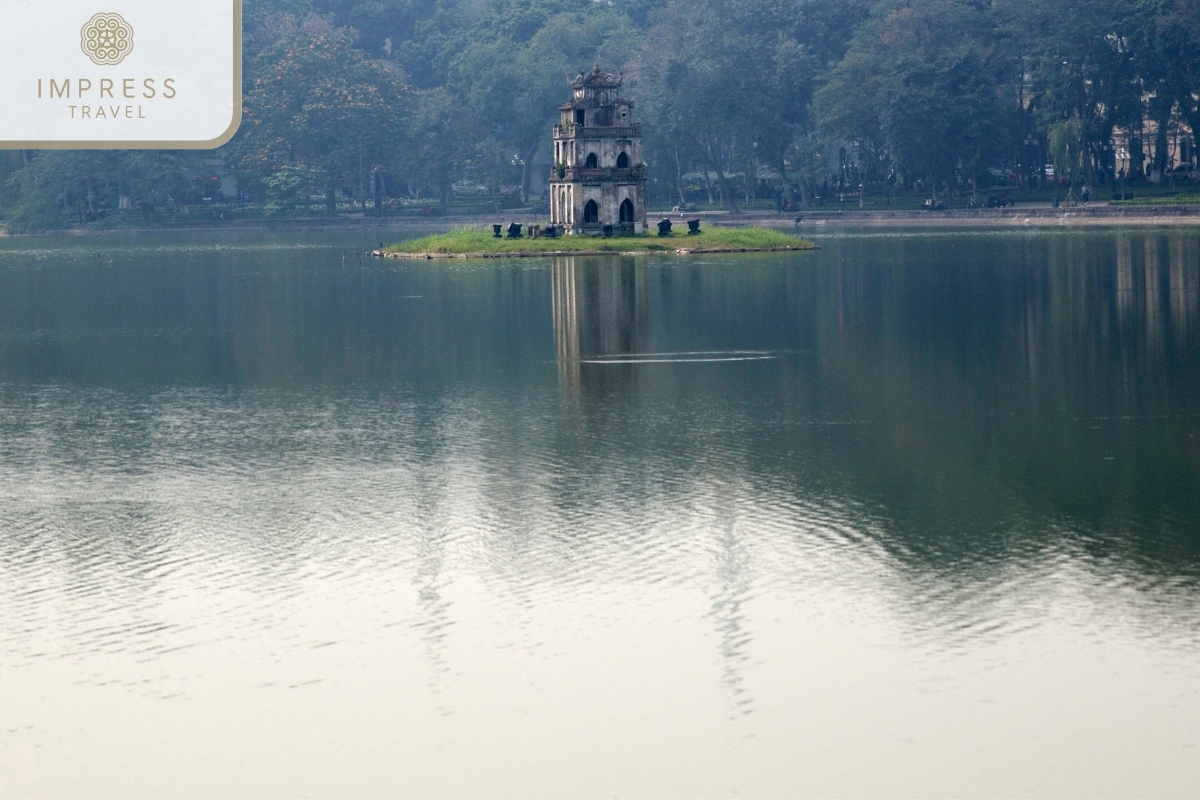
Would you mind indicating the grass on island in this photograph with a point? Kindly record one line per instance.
(474, 240)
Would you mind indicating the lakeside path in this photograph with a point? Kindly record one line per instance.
(806, 220)
(1020, 215)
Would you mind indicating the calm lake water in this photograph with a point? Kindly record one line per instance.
(916, 514)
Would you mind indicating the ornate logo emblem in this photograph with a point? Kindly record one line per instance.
(106, 39)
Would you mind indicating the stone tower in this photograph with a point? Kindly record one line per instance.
(598, 177)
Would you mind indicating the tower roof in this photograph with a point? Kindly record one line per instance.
(594, 89)
(596, 79)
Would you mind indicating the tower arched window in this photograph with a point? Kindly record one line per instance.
(626, 211)
(623, 161)
(591, 212)
(590, 162)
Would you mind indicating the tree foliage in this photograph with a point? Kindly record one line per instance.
(754, 96)
(319, 111)
(58, 188)
(919, 82)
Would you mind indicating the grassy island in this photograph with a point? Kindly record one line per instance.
(477, 243)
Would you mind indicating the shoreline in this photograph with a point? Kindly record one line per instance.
(682, 251)
(1095, 215)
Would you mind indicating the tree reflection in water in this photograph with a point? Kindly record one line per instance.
(977, 430)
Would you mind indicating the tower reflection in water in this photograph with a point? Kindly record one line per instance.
(599, 315)
(601, 338)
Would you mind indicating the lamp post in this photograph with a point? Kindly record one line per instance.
(1123, 156)
(1021, 171)
(377, 188)
(517, 161)
(753, 184)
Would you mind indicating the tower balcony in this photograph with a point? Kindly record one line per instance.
(597, 131)
(584, 175)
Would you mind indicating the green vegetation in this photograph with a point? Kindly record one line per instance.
(475, 240)
(787, 104)
(340, 108)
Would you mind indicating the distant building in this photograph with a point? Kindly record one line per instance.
(598, 176)
(1134, 151)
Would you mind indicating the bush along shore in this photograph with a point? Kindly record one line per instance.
(477, 243)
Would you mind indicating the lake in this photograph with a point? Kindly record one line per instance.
(916, 514)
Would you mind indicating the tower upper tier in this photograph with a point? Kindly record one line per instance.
(596, 102)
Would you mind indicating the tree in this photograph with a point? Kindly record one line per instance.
(921, 82)
(666, 116)
(1078, 55)
(730, 82)
(1182, 20)
(1167, 57)
(439, 142)
(697, 97)
(60, 187)
(941, 89)
(512, 87)
(1065, 141)
(319, 110)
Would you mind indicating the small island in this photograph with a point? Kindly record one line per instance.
(481, 243)
(597, 196)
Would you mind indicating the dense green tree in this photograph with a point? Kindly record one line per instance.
(1065, 143)
(320, 113)
(10, 162)
(1078, 56)
(265, 22)
(438, 143)
(693, 95)
(58, 188)
(704, 93)
(1167, 56)
(729, 83)
(919, 81)
(1182, 20)
(940, 89)
(666, 107)
(513, 87)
